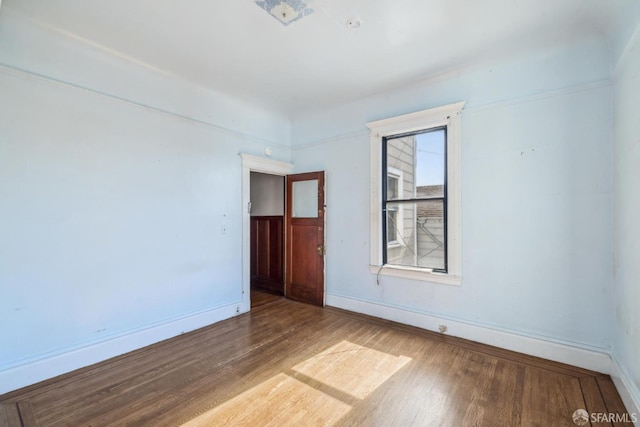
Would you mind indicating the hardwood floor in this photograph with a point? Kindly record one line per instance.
(288, 363)
(259, 298)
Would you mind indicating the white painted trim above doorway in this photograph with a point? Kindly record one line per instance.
(253, 164)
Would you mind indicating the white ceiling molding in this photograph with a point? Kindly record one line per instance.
(237, 49)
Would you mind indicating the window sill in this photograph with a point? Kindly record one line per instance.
(414, 273)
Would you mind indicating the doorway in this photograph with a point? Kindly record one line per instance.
(267, 233)
(266, 166)
(303, 266)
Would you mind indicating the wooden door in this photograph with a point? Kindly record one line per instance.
(305, 238)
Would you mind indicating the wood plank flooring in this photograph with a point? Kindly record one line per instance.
(259, 298)
(288, 363)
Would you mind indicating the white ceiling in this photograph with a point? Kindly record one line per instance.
(236, 47)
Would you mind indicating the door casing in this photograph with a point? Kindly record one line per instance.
(263, 165)
(273, 167)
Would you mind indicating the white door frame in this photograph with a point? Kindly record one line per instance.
(253, 164)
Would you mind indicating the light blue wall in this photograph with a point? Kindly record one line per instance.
(626, 215)
(536, 196)
(115, 182)
(531, 74)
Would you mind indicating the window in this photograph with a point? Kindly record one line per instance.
(421, 156)
(415, 200)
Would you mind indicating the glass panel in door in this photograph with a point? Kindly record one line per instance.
(305, 199)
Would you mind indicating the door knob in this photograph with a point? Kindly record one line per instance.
(320, 250)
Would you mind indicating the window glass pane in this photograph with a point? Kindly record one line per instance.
(400, 158)
(418, 228)
(392, 187)
(305, 199)
(392, 231)
(430, 163)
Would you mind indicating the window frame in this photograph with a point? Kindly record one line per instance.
(415, 199)
(449, 117)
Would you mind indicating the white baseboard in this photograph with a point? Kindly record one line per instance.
(628, 391)
(591, 359)
(48, 366)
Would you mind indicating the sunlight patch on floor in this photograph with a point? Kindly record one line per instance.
(279, 401)
(286, 401)
(351, 368)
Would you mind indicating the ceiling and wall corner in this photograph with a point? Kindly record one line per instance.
(51, 52)
(318, 61)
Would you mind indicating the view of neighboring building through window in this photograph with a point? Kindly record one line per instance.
(394, 187)
(392, 213)
(415, 199)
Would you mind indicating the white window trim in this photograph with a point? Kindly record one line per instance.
(448, 115)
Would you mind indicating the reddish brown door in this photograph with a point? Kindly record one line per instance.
(305, 238)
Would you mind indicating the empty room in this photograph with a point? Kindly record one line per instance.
(319, 212)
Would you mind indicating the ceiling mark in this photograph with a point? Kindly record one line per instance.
(286, 11)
